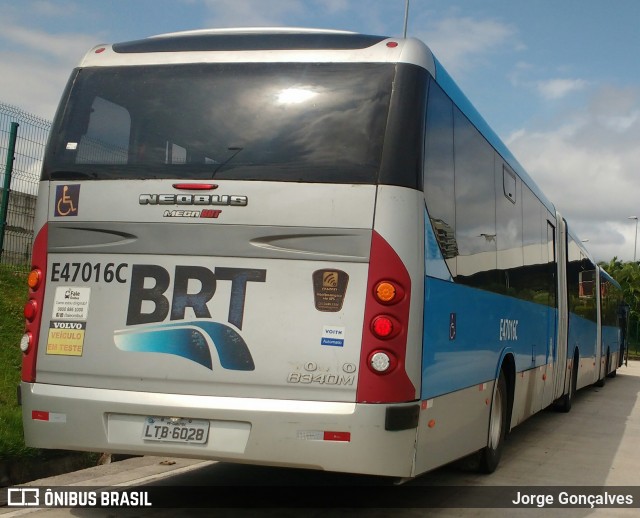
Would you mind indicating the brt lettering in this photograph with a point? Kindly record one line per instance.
(157, 279)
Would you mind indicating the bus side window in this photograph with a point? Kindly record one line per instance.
(475, 206)
(438, 173)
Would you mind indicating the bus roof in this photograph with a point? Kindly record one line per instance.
(261, 45)
(254, 30)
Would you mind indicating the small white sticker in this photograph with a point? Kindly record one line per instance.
(72, 145)
(310, 435)
(71, 303)
(333, 336)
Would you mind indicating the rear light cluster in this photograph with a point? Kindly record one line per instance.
(33, 307)
(383, 377)
(385, 326)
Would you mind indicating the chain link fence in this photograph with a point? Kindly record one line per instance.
(21, 175)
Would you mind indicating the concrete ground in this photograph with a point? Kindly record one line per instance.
(594, 447)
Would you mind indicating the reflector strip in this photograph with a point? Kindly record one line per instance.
(317, 435)
(51, 417)
(337, 436)
(426, 404)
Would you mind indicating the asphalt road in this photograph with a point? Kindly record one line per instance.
(591, 450)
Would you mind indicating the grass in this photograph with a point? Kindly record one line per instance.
(13, 295)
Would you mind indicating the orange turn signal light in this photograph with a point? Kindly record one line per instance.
(386, 292)
(33, 280)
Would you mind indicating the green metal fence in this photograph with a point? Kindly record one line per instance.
(22, 140)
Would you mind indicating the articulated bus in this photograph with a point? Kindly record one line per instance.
(297, 248)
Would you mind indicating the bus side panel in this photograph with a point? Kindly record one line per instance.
(611, 343)
(466, 329)
(465, 332)
(582, 335)
(452, 426)
(528, 392)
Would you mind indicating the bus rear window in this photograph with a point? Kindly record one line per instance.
(321, 122)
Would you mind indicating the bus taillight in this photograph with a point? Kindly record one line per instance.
(385, 327)
(33, 307)
(30, 310)
(26, 342)
(383, 361)
(388, 292)
(382, 377)
(34, 279)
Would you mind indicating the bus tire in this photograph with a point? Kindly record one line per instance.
(564, 403)
(601, 381)
(490, 455)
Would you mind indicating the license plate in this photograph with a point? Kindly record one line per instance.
(175, 429)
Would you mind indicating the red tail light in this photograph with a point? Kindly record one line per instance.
(33, 307)
(382, 377)
(30, 310)
(381, 326)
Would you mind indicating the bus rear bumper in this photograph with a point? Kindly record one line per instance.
(332, 436)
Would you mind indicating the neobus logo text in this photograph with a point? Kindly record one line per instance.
(157, 280)
(193, 199)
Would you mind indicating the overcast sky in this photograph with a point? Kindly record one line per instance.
(558, 80)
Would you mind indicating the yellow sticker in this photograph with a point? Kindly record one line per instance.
(66, 338)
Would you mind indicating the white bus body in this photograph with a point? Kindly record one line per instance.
(238, 259)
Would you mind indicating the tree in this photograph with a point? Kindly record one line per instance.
(627, 274)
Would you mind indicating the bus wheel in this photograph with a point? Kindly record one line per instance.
(490, 456)
(564, 403)
(600, 382)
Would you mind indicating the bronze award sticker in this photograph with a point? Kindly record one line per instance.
(329, 289)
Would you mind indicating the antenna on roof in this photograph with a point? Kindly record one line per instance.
(406, 18)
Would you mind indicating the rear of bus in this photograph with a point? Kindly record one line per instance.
(228, 262)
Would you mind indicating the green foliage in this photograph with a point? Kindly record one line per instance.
(628, 276)
(13, 295)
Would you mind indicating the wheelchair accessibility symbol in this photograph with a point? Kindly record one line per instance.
(67, 199)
